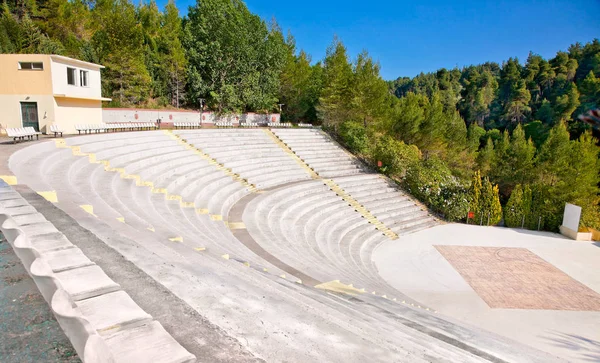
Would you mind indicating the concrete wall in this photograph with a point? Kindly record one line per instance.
(73, 111)
(110, 115)
(10, 110)
(15, 81)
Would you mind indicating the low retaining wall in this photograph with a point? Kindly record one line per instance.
(111, 115)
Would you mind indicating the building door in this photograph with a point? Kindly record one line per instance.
(29, 115)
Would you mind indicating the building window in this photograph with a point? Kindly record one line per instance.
(71, 76)
(83, 78)
(31, 66)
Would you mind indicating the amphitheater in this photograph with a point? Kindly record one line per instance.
(278, 245)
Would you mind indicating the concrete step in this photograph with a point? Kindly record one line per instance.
(86, 282)
(147, 343)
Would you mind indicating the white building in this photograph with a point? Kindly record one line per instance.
(39, 90)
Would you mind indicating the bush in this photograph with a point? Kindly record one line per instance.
(432, 182)
(396, 157)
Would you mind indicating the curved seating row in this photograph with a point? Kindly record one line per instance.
(252, 154)
(312, 229)
(81, 295)
(145, 199)
(319, 152)
(378, 195)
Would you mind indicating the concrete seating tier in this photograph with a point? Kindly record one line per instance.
(163, 205)
(103, 323)
(386, 202)
(158, 159)
(307, 226)
(252, 154)
(319, 152)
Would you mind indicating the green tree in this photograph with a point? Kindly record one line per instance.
(234, 58)
(337, 80)
(369, 93)
(118, 40)
(566, 103)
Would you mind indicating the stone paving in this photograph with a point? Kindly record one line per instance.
(516, 278)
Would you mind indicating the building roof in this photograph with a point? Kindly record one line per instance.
(73, 60)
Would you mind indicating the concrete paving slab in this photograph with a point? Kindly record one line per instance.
(85, 282)
(112, 312)
(415, 267)
(147, 343)
(67, 259)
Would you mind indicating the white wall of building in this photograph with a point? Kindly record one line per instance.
(61, 87)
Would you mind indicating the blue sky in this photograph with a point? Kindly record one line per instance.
(409, 37)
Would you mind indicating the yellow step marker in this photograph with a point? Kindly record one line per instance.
(60, 143)
(282, 276)
(265, 270)
(237, 225)
(337, 286)
(151, 229)
(88, 208)
(176, 239)
(121, 219)
(9, 179)
(225, 256)
(394, 299)
(200, 249)
(187, 204)
(216, 217)
(247, 264)
(49, 196)
(159, 190)
(202, 211)
(173, 197)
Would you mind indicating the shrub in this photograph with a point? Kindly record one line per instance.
(432, 182)
(354, 136)
(396, 157)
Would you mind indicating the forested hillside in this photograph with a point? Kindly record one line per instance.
(461, 140)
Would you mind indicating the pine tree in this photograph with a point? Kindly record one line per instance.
(566, 103)
(475, 197)
(337, 79)
(490, 207)
(369, 93)
(514, 212)
(485, 157)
